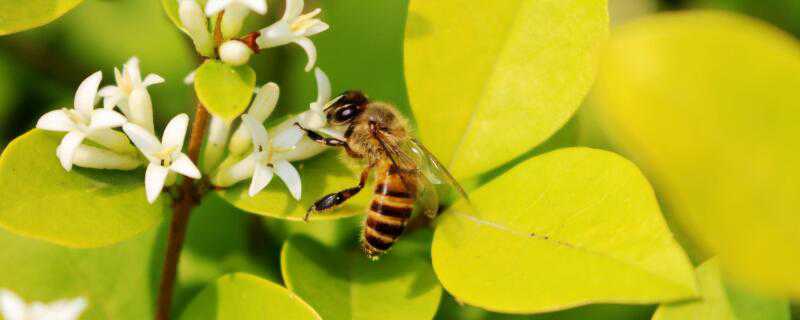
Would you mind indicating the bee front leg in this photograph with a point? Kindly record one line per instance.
(318, 138)
(336, 199)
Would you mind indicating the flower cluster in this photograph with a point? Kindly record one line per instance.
(92, 142)
(293, 27)
(12, 307)
(257, 153)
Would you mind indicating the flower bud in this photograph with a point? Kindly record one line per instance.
(96, 158)
(263, 104)
(196, 25)
(233, 19)
(234, 52)
(218, 132)
(141, 109)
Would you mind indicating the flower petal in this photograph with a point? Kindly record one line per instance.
(87, 91)
(154, 179)
(108, 91)
(143, 139)
(215, 6)
(258, 6)
(239, 171)
(293, 9)
(311, 51)
(175, 132)
(189, 79)
(262, 175)
(152, 79)
(288, 138)
(65, 309)
(66, 150)
(323, 87)
(317, 26)
(131, 68)
(12, 306)
(290, 177)
(265, 101)
(105, 119)
(97, 158)
(183, 165)
(257, 131)
(56, 120)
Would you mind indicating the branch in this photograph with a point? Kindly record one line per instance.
(188, 197)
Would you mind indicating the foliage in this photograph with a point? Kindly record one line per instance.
(15, 17)
(39, 199)
(224, 90)
(343, 284)
(721, 300)
(589, 230)
(243, 296)
(472, 106)
(723, 150)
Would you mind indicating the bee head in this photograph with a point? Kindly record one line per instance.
(347, 107)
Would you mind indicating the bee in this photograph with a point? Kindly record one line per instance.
(406, 173)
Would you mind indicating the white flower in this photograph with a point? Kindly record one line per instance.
(294, 28)
(219, 130)
(235, 13)
(265, 159)
(85, 122)
(12, 307)
(164, 156)
(315, 118)
(130, 94)
(196, 24)
(235, 52)
(215, 6)
(263, 104)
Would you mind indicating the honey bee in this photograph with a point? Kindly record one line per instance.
(406, 172)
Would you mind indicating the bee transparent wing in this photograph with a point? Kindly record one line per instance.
(433, 175)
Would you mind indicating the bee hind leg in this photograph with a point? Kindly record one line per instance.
(333, 200)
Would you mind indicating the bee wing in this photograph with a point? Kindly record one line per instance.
(429, 171)
(430, 167)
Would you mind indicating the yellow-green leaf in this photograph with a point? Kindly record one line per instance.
(81, 208)
(490, 80)
(115, 280)
(17, 16)
(570, 227)
(241, 296)
(721, 301)
(224, 90)
(706, 103)
(345, 284)
(321, 175)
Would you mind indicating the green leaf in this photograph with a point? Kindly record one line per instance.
(224, 90)
(81, 208)
(323, 174)
(16, 16)
(116, 280)
(490, 80)
(241, 296)
(718, 142)
(720, 301)
(218, 242)
(587, 229)
(345, 284)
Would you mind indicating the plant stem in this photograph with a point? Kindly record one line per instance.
(189, 196)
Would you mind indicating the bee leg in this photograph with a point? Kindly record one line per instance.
(316, 137)
(333, 200)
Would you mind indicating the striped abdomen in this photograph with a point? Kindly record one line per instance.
(389, 210)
